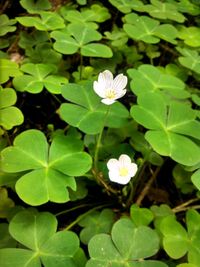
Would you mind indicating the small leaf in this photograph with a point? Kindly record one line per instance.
(35, 6)
(96, 223)
(5, 203)
(190, 59)
(190, 35)
(141, 216)
(96, 50)
(6, 25)
(8, 69)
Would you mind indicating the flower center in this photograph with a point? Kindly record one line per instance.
(123, 171)
(110, 93)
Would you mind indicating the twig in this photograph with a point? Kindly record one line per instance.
(184, 206)
(147, 187)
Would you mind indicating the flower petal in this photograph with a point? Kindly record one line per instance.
(115, 177)
(108, 101)
(120, 82)
(99, 89)
(105, 78)
(133, 169)
(121, 94)
(124, 160)
(113, 164)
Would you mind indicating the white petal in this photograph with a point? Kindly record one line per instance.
(120, 82)
(113, 164)
(115, 177)
(108, 101)
(105, 78)
(124, 160)
(133, 169)
(121, 94)
(99, 89)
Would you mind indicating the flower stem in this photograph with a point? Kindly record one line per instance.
(98, 144)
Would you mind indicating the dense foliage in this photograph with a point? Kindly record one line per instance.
(66, 146)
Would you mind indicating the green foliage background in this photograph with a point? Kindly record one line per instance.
(57, 205)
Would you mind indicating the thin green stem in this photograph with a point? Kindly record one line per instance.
(72, 209)
(84, 215)
(81, 67)
(98, 144)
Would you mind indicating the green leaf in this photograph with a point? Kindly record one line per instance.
(163, 10)
(96, 223)
(126, 6)
(148, 78)
(125, 247)
(37, 232)
(96, 50)
(140, 216)
(39, 76)
(175, 240)
(6, 25)
(48, 169)
(8, 69)
(5, 203)
(48, 21)
(148, 30)
(5, 238)
(35, 6)
(171, 127)
(196, 179)
(190, 59)
(9, 115)
(190, 35)
(88, 113)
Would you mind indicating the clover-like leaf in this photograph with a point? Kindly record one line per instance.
(42, 244)
(89, 16)
(171, 126)
(9, 115)
(79, 36)
(196, 178)
(96, 223)
(189, 59)
(8, 69)
(149, 30)
(47, 21)
(35, 6)
(141, 216)
(177, 241)
(148, 78)
(190, 35)
(162, 10)
(87, 112)
(126, 6)
(125, 247)
(48, 170)
(6, 25)
(38, 76)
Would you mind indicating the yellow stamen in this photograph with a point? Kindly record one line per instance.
(123, 171)
(110, 93)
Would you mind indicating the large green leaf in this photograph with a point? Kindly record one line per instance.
(126, 6)
(39, 76)
(125, 247)
(8, 69)
(88, 113)
(190, 35)
(171, 127)
(37, 232)
(9, 115)
(148, 78)
(148, 30)
(96, 50)
(49, 170)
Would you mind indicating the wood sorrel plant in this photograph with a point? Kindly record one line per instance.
(99, 133)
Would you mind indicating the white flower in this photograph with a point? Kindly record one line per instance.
(108, 88)
(121, 171)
